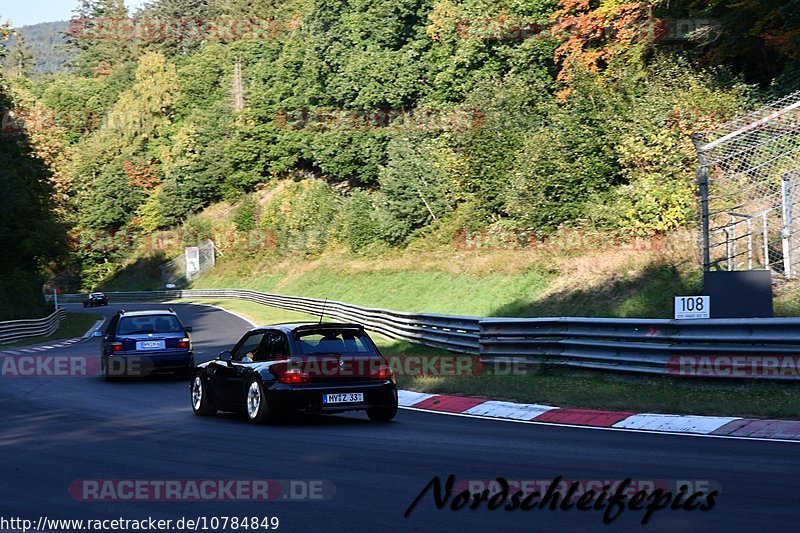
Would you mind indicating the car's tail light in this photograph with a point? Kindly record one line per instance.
(382, 372)
(184, 343)
(116, 346)
(292, 376)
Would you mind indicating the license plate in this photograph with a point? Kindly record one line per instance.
(150, 345)
(349, 397)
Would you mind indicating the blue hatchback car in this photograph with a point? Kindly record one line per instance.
(143, 343)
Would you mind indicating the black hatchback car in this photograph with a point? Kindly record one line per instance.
(297, 368)
(142, 343)
(95, 299)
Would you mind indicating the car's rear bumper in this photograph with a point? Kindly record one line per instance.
(308, 398)
(141, 365)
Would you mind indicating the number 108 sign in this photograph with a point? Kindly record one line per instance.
(687, 307)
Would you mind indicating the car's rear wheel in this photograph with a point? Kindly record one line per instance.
(104, 369)
(258, 411)
(200, 401)
(86, 304)
(382, 414)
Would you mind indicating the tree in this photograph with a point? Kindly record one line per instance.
(5, 33)
(753, 38)
(185, 25)
(101, 34)
(129, 138)
(20, 60)
(31, 234)
(415, 185)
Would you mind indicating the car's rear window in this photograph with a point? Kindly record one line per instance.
(334, 341)
(134, 325)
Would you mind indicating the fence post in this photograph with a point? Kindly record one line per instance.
(786, 230)
(702, 185)
(765, 240)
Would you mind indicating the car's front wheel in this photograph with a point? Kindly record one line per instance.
(382, 414)
(258, 411)
(200, 401)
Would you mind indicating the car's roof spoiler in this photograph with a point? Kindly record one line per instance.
(329, 325)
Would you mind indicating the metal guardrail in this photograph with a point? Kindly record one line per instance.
(454, 333)
(655, 346)
(14, 330)
(638, 345)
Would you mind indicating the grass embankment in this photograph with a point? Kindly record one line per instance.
(570, 388)
(529, 282)
(74, 325)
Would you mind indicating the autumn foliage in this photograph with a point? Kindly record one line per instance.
(593, 38)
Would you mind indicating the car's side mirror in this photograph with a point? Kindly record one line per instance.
(225, 356)
(188, 329)
(97, 333)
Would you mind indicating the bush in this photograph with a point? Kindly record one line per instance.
(245, 216)
(414, 188)
(300, 214)
(196, 230)
(364, 222)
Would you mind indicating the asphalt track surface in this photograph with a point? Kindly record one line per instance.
(56, 430)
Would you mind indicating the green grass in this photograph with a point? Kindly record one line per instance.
(563, 387)
(647, 294)
(414, 291)
(74, 325)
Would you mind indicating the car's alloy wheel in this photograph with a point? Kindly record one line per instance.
(257, 408)
(200, 403)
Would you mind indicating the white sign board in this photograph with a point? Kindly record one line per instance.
(192, 255)
(687, 307)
